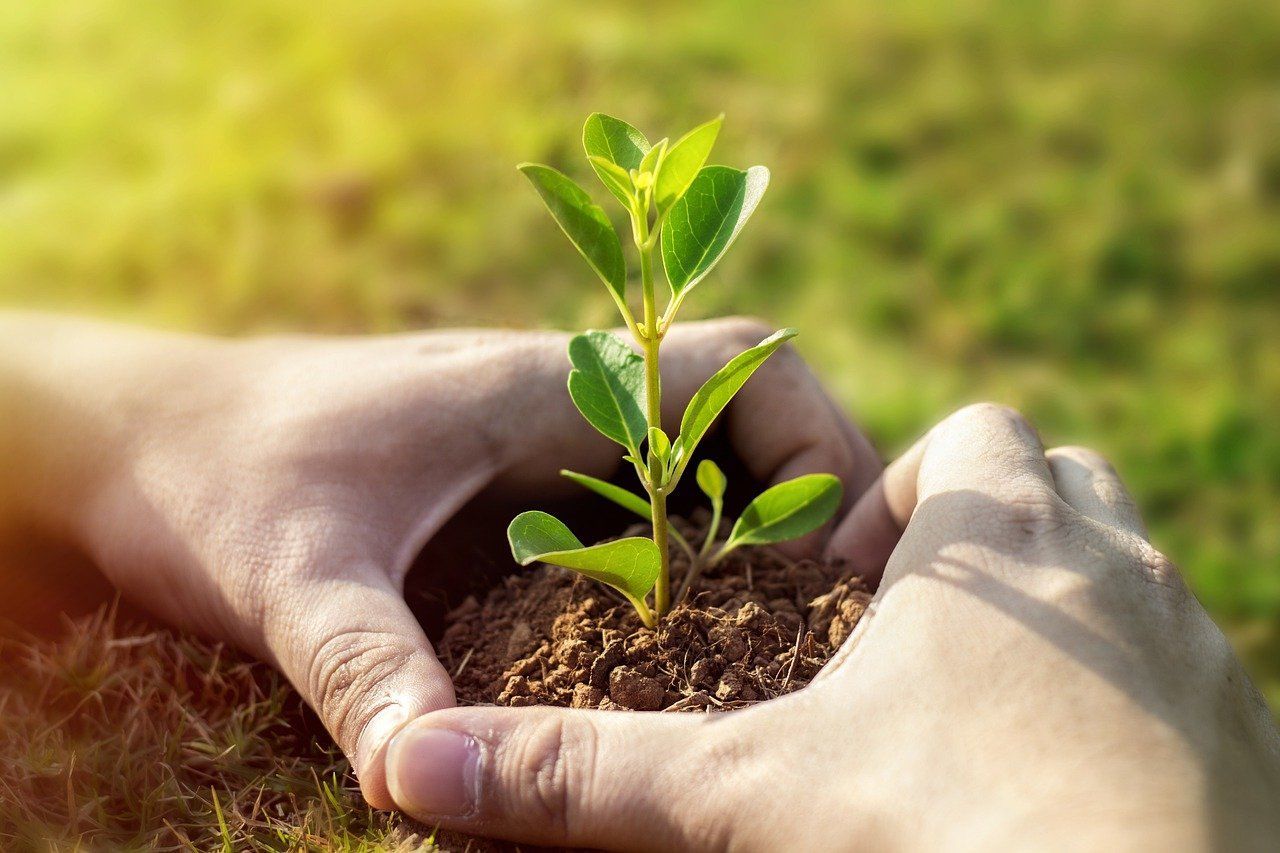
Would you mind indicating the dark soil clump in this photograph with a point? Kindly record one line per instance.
(754, 628)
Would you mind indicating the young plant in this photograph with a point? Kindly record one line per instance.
(691, 213)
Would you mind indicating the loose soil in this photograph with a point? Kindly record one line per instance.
(754, 628)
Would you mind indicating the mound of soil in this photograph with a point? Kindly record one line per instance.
(755, 627)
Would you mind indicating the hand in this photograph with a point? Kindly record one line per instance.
(1030, 673)
(274, 492)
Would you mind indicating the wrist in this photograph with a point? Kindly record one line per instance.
(81, 399)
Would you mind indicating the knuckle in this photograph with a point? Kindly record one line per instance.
(1104, 478)
(1031, 512)
(988, 413)
(1115, 496)
(1086, 456)
(979, 424)
(1158, 570)
(343, 676)
(545, 766)
(1114, 560)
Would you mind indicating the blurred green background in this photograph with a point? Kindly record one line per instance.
(1071, 207)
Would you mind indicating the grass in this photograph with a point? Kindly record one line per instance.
(1071, 207)
(129, 738)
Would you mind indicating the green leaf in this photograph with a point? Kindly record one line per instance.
(711, 480)
(654, 157)
(615, 178)
(583, 222)
(701, 226)
(628, 565)
(717, 391)
(616, 141)
(607, 386)
(533, 534)
(683, 161)
(625, 499)
(659, 444)
(787, 511)
(617, 494)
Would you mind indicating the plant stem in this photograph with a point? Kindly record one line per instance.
(717, 507)
(695, 569)
(684, 545)
(662, 590)
(724, 551)
(698, 563)
(646, 615)
(653, 397)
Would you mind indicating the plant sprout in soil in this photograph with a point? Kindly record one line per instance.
(691, 213)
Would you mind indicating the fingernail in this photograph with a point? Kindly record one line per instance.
(376, 734)
(433, 772)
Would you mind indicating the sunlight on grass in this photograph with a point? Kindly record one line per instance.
(186, 746)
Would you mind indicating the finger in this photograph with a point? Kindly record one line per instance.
(782, 423)
(866, 537)
(1087, 482)
(866, 457)
(360, 659)
(552, 776)
(984, 450)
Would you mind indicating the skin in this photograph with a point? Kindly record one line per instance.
(274, 492)
(1031, 674)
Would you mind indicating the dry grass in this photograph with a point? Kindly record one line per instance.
(119, 736)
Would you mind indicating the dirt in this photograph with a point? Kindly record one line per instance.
(754, 628)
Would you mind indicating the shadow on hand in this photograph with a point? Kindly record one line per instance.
(1125, 656)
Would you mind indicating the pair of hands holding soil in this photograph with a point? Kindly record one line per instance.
(1030, 671)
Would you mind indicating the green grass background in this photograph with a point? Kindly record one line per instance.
(1070, 207)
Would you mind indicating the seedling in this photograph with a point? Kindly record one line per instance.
(690, 212)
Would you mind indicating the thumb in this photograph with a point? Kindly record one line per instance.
(982, 449)
(554, 776)
(359, 658)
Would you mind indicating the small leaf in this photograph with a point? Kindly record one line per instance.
(583, 222)
(617, 494)
(659, 444)
(711, 480)
(533, 534)
(704, 222)
(629, 565)
(615, 178)
(717, 391)
(653, 158)
(683, 161)
(787, 511)
(607, 386)
(616, 141)
(625, 499)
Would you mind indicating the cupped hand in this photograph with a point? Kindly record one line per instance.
(1031, 673)
(274, 492)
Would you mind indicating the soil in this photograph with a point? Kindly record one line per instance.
(754, 628)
